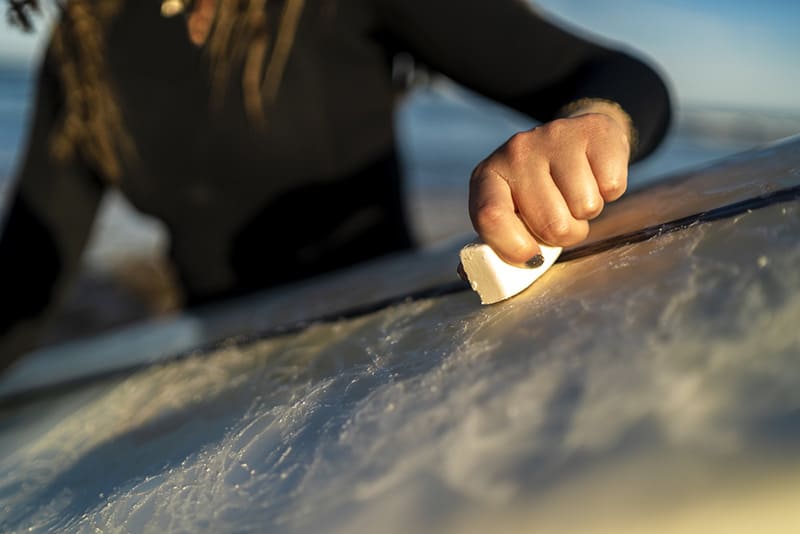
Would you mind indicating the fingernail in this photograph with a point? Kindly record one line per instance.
(535, 261)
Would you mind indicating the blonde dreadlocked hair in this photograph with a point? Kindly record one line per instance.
(92, 125)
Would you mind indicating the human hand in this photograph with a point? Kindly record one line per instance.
(200, 20)
(545, 184)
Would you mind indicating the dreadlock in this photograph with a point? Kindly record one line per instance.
(92, 125)
(239, 37)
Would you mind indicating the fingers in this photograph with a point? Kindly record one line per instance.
(544, 208)
(200, 21)
(494, 217)
(610, 170)
(608, 156)
(512, 215)
(573, 176)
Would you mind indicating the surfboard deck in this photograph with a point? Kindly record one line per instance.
(650, 383)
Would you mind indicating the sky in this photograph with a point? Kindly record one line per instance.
(722, 52)
(16, 46)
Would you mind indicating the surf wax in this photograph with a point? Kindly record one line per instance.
(494, 279)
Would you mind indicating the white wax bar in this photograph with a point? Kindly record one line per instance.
(494, 279)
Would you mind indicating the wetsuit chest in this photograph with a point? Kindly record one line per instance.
(321, 162)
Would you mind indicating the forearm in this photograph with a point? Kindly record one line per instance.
(510, 53)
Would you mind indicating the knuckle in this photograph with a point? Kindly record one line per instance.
(613, 186)
(600, 122)
(564, 231)
(557, 230)
(555, 129)
(597, 125)
(517, 146)
(488, 216)
(589, 208)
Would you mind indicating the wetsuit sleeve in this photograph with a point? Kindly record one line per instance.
(505, 50)
(47, 225)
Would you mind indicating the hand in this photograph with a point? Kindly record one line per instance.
(200, 20)
(545, 184)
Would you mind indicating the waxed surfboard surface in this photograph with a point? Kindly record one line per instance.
(651, 387)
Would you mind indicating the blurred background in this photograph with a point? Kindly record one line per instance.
(731, 65)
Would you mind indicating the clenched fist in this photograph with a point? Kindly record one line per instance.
(545, 184)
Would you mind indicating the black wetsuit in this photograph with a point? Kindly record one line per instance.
(319, 187)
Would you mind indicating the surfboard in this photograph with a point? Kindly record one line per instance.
(648, 381)
(723, 189)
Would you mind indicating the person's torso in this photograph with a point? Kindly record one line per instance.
(215, 177)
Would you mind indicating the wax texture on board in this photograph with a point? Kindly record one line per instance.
(494, 279)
